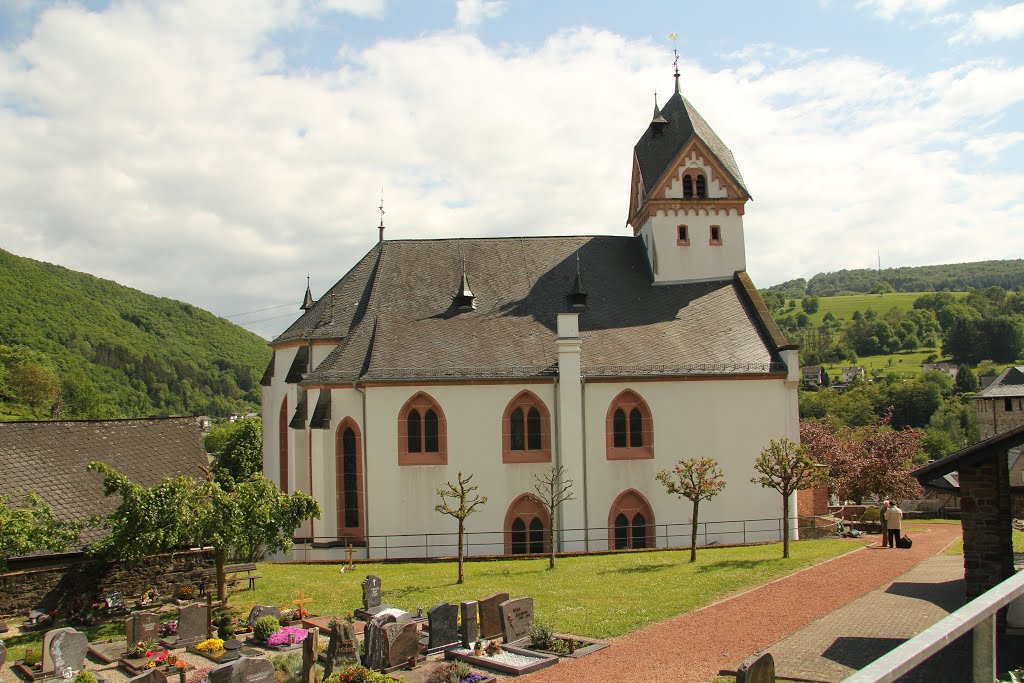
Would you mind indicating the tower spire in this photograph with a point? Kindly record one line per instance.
(675, 62)
(381, 208)
(307, 300)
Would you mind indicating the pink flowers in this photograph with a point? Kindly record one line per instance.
(286, 636)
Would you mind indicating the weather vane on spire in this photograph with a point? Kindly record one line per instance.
(381, 207)
(675, 62)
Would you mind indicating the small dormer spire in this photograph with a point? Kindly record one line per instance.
(658, 122)
(464, 299)
(381, 208)
(578, 294)
(308, 300)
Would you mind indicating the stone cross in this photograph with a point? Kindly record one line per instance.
(470, 630)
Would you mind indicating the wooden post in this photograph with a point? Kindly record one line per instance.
(309, 654)
(351, 552)
(209, 615)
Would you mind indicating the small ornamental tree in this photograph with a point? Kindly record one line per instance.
(465, 505)
(552, 490)
(254, 516)
(28, 524)
(785, 467)
(695, 479)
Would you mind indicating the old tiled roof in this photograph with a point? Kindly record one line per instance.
(654, 153)
(1009, 384)
(412, 328)
(50, 458)
(994, 447)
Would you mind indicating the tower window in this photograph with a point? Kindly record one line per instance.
(716, 235)
(702, 187)
(687, 187)
(683, 237)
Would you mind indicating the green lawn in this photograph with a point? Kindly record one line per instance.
(1018, 544)
(598, 596)
(903, 362)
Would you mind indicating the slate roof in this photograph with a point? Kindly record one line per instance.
(50, 459)
(410, 327)
(1009, 384)
(654, 153)
(931, 475)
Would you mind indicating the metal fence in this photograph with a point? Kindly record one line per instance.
(581, 540)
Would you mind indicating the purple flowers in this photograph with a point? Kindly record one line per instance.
(169, 628)
(473, 678)
(286, 636)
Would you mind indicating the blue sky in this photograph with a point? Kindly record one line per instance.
(217, 152)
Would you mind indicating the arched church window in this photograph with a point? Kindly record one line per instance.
(518, 537)
(687, 187)
(526, 430)
(422, 432)
(621, 532)
(638, 534)
(702, 187)
(619, 427)
(631, 522)
(536, 536)
(630, 430)
(348, 479)
(526, 526)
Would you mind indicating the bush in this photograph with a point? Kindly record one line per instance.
(85, 677)
(264, 626)
(541, 634)
(290, 667)
(871, 514)
(452, 672)
(226, 627)
(359, 674)
(32, 655)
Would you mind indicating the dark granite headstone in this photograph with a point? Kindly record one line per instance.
(371, 591)
(244, 670)
(758, 668)
(142, 626)
(64, 648)
(150, 676)
(376, 643)
(490, 617)
(192, 623)
(443, 622)
(264, 611)
(3, 654)
(403, 641)
(516, 619)
(470, 629)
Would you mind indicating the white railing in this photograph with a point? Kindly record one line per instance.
(979, 616)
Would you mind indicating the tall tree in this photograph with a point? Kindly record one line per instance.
(552, 489)
(184, 512)
(695, 479)
(785, 467)
(966, 380)
(35, 385)
(467, 503)
(27, 523)
(242, 455)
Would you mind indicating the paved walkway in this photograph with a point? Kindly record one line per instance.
(694, 647)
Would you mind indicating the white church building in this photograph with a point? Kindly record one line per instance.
(612, 356)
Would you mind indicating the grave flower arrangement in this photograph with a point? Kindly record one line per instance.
(169, 628)
(149, 597)
(158, 658)
(287, 636)
(211, 645)
(84, 676)
(359, 674)
(454, 672)
(142, 648)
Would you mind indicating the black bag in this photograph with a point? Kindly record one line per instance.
(904, 542)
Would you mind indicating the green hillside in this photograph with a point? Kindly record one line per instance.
(76, 346)
(843, 307)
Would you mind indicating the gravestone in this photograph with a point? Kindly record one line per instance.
(244, 670)
(264, 611)
(3, 654)
(443, 621)
(143, 626)
(193, 621)
(490, 617)
(403, 642)
(150, 676)
(64, 648)
(371, 591)
(342, 648)
(470, 630)
(516, 619)
(374, 642)
(758, 668)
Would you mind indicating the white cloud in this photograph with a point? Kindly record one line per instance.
(993, 24)
(992, 146)
(889, 9)
(360, 8)
(470, 13)
(166, 148)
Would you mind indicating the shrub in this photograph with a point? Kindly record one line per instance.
(870, 514)
(85, 677)
(289, 666)
(359, 674)
(452, 672)
(541, 634)
(264, 626)
(225, 627)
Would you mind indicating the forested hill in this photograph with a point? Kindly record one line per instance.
(76, 346)
(954, 277)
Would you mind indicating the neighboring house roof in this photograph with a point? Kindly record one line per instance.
(50, 458)
(408, 325)
(813, 370)
(655, 152)
(1009, 384)
(933, 475)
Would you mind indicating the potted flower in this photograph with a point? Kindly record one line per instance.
(478, 648)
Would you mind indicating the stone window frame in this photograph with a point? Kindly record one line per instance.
(682, 235)
(715, 236)
(344, 531)
(527, 509)
(525, 400)
(627, 400)
(422, 402)
(629, 503)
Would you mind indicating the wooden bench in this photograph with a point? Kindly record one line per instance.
(233, 574)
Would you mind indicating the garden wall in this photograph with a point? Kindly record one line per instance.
(63, 583)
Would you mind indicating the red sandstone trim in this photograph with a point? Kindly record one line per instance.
(346, 532)
(525, 400)
(627, 400)
(422, 401)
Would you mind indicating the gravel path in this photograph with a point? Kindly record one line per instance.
(694, 647)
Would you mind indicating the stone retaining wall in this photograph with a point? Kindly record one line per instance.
(63, 583)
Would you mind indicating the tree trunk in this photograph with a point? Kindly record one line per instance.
(222, 592)
(551, 541)
(462, 552)
(785, 526)
(693, 533)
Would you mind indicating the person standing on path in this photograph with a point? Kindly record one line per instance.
(882, 510)
(894, 523)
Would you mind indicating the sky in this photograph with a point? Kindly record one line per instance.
(220, 152)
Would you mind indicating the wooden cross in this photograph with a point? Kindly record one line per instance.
(301, 602)
(351, 552)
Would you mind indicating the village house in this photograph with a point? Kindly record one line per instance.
(853, 374)
(813, 376)
(950, 369)
(611, 356)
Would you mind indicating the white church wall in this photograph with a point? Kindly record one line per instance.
(700, 260)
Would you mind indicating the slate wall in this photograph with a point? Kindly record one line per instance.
(60, 584)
